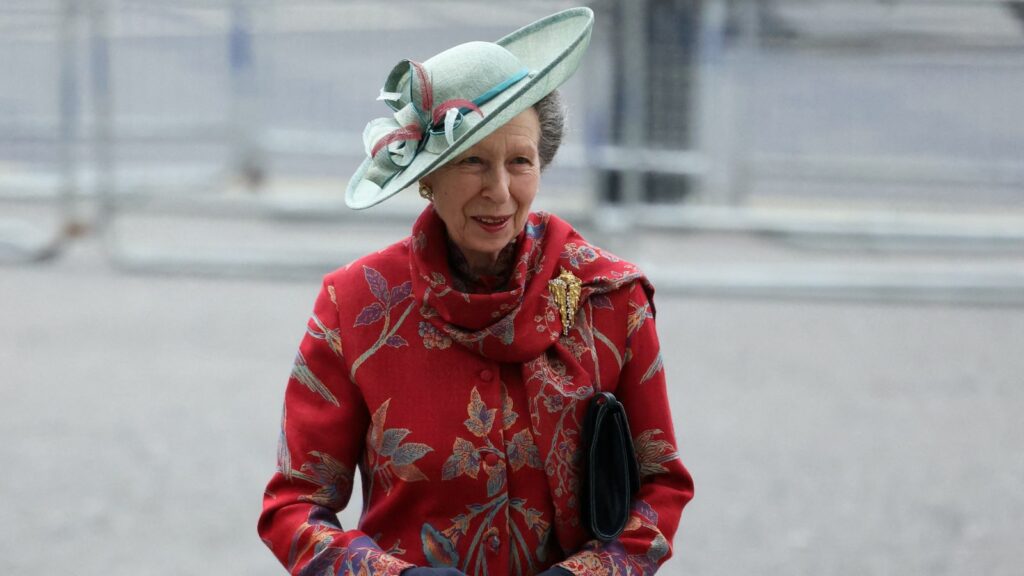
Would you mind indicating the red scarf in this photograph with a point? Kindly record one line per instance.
(522, 325)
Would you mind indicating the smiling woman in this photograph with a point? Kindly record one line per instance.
(484, 196)
(454, 368)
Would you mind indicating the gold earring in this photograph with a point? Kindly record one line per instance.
(426, 193)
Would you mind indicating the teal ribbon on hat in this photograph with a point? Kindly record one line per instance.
(393, 143)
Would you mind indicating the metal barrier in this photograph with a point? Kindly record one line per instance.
(246, 116)
(854, 95)
(39, 145)
(880, 126)
(283, 134)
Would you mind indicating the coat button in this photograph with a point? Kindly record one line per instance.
(486, 375)
(493, 540)
(491, 459)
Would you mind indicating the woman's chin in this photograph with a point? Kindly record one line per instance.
(491, 247)
(492, 240)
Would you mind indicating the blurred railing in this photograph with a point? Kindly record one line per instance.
(862, 100)
(38, 139)
(867, 125)
(876, 126)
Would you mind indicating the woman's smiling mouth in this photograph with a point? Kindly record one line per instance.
(492, 223)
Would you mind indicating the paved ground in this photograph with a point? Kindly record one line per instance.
(141, 412)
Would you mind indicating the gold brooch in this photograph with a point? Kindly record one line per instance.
(566, 290)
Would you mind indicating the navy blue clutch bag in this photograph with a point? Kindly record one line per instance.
(612, 470)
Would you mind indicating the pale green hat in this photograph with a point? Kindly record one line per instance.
(456, 98)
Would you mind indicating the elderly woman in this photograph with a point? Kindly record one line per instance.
(454, 368)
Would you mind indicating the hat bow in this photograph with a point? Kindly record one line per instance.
(392, 143)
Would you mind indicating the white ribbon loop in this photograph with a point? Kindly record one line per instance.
(389, 96)
(449, 124)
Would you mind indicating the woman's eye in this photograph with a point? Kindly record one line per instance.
(472, 160)
(523, 160)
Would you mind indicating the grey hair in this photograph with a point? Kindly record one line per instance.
(552, 126)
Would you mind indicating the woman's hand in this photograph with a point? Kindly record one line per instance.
(419, 571)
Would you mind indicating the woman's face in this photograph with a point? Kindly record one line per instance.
(484, 195)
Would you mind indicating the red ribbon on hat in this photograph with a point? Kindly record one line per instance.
(437, 114)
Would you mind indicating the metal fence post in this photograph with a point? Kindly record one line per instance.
(69, 118)
(249, 164)
(712, 106)
(103, 108)
(745, 70)
(634, 97)
(19, 240)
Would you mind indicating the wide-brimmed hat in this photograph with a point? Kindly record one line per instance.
(456, 98)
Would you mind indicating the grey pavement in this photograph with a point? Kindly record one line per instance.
(140, 417)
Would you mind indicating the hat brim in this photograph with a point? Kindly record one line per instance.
(551, 48)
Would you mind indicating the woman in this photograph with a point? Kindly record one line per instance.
(452, 367)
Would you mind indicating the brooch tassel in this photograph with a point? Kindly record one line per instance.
(566, 291)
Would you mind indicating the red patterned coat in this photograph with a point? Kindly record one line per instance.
(463, 413)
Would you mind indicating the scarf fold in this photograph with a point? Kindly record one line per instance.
(522, 325)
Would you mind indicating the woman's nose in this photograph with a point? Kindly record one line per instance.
(497, 185)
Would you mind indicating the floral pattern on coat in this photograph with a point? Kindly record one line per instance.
(477, 523)
(462, 412)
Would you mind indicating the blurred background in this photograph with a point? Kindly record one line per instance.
(828, 195)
